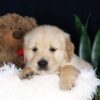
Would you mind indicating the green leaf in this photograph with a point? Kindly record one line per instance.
(79, 25)
(87, 21)
(97, 96)
(85, 46)
(96, 50)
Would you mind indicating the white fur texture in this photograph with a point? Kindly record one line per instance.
(45, 87)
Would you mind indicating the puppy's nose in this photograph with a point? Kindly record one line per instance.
(42, 64)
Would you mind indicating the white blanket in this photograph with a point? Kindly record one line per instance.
(45, 87)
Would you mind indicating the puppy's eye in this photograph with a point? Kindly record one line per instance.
(52, 49)
(34, 49)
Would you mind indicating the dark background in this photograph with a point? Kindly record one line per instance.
(57, 12)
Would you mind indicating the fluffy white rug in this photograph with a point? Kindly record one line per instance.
(45, 87)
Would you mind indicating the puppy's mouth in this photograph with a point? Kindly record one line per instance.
(42, 72)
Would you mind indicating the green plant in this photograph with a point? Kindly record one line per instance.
(96, 50)
(97, 96)
(87, 51)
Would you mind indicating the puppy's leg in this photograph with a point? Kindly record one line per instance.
(26, 73)
(68, 76)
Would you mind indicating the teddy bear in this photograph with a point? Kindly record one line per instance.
(13, 27)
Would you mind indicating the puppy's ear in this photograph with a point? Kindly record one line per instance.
(69, 49)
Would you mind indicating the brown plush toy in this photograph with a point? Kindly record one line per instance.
(13, 27)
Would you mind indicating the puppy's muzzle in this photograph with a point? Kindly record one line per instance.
(42, 64)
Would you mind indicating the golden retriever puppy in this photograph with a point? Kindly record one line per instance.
(48, 49)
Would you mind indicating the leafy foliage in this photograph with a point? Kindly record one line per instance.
(96, 50)
(85, 47)
(79, 25)
(97, 96)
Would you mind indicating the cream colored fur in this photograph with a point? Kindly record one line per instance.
(43, 38)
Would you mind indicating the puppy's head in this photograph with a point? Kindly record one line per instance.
(46, 48)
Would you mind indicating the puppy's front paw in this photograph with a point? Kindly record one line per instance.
(26, 73)
(67, 83)
(68, 76)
